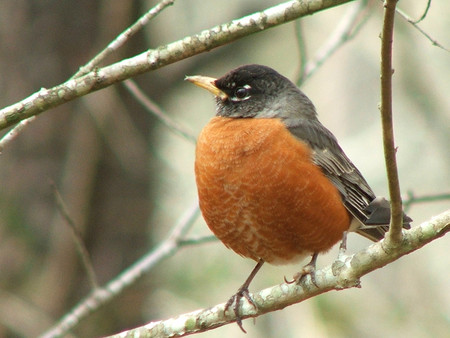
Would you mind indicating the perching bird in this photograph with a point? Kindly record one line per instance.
(273, 183)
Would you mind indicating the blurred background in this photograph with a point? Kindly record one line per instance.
(126, 178)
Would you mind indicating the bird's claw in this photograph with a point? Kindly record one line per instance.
(236, 299)
(308, 269)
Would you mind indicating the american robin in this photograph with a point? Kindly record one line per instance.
(273, 183)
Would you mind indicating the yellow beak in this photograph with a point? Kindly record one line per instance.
(208, 84)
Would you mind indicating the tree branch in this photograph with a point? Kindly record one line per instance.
(342, 274)
(102, 295)
(154, 109)
(12, 134)
(112, 47)
(425, 12)
(77, 236)
(395, 230)
(124, 36)
(152, 59)
(413, 199)
(345, 30)
(415, 24)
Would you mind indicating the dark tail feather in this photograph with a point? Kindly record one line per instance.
(379, 213)
(378, 218)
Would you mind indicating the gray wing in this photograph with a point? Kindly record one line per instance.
(359, 199)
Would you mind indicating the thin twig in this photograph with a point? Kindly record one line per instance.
(345, 30)
(302, 51)
(342, 274)
(413, 199)
(12, 134)
(123, 37)
(83, 253)
(128, 277)
(153, 108)
(198, 240)
(416, 26)
(425, 13)
(395, 230)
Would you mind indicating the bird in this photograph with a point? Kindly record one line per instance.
(273, 183)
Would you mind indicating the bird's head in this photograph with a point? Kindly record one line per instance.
(256, 91)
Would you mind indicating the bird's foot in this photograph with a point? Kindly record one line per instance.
(243, 293)
(236, 300)
(308, 269)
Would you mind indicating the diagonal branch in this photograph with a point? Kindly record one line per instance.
(12, 134)
(345, 30)
(102, 295)
(342, 274)
(206, 40)
(77, 236)
(124, 36)
(415, 24)
(153, 108)
(113, 46)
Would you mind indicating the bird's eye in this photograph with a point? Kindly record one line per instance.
(242, 93)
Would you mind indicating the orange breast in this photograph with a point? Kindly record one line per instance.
(260, 193)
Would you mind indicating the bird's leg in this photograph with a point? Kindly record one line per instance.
(243, 292)
(308, 269)
(343, 246)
